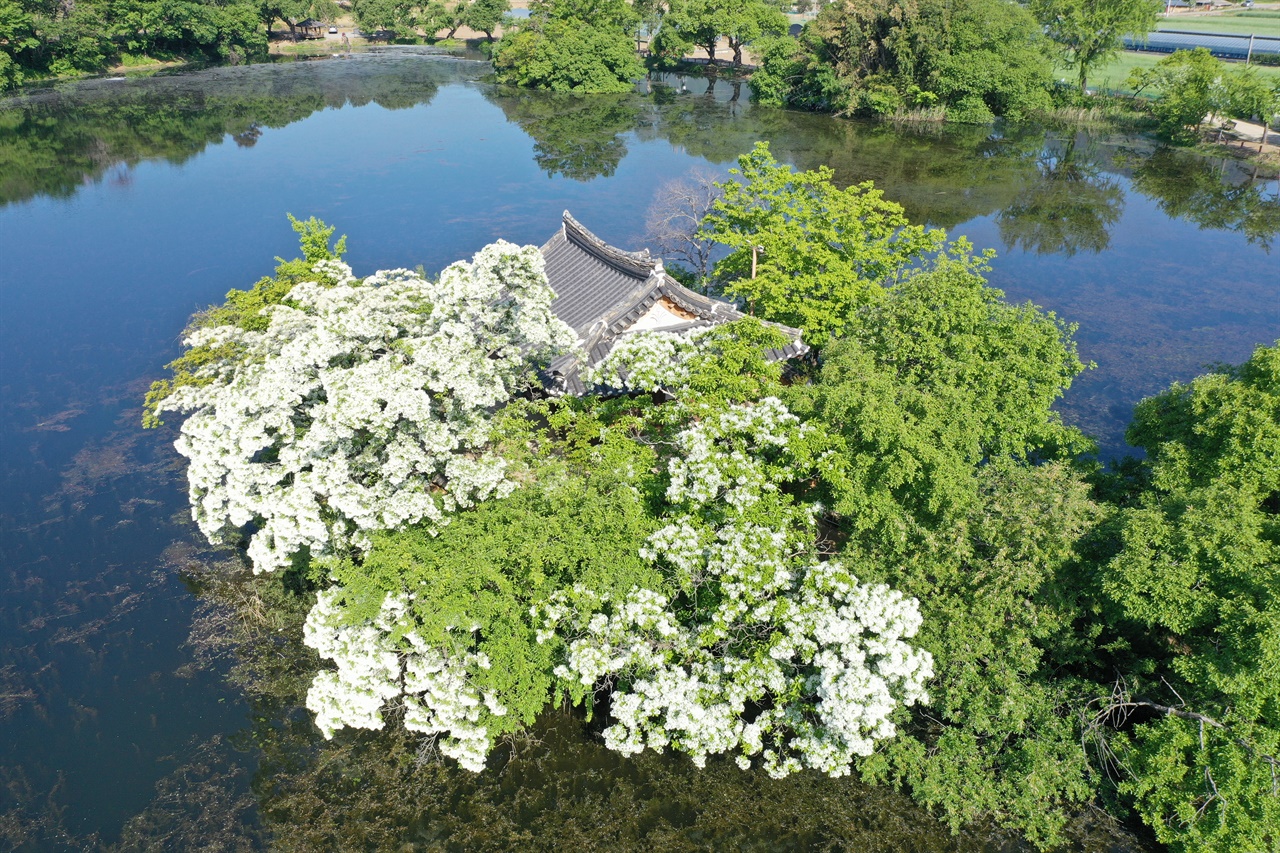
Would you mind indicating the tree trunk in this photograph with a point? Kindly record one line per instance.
(737, 54)
(1084, 90)
(711, 53)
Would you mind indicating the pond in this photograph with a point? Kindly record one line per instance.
(126, 204)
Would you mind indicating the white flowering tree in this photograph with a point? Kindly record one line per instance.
(749, 643)
(647, 361)
(364, 404)
(383, 660)
(762, 649)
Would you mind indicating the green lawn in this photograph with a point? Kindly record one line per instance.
(1257, 22)
(1114, 73)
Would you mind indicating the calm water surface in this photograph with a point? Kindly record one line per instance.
(125, 205)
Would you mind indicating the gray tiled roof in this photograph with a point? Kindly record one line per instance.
(601, 291)
(590, 278)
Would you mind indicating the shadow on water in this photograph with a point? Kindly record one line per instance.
(554, 788)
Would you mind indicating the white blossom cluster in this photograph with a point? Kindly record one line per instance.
(364, 404)
(725, 455)
(767, 652)
(372, 669)
(646, 361)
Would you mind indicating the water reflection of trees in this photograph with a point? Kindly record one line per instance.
(1047, 196)
(53, 142)
(1069, 206)
(1213, 194)
(941, 175)
(577, 136)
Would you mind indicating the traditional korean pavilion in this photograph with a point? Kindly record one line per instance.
(604, 293)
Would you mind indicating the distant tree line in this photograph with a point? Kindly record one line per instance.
(963, 60)
(40, 38)
(410, 19)
(591, 46)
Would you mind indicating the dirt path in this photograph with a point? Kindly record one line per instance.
(1246, 132)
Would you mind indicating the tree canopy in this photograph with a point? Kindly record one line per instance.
(1198, 576)
(39, 39)
(1087, 33)
(896, 561)
(702, 23)
(974, 59)
(398, 16)
(806, 253)
(578, 46)
(1193, 84)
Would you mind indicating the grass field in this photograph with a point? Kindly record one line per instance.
(1258, 22)
(1114, 73)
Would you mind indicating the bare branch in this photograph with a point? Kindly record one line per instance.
(1113, 713)
(676, 214)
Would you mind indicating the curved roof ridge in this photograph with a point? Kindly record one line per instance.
(639, 264)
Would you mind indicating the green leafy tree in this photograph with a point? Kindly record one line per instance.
(577, 46)
(433, 17)
(1189, 83)
(981, 58)
(974, 58)
(752, 22)
(397, 16)
(569, 56)
(689, 24)
(945, 331)
(805, 253)
(1196, 583)
(787, 78)
(17, 36)
(704, 22)
(1089, 32)
(932, 493)
(485, 15)
(1246, 94)
(999, 742)
(449, 17)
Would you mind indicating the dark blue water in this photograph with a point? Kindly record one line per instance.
(127, 205)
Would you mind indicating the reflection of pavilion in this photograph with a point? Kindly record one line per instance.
(604, 293)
